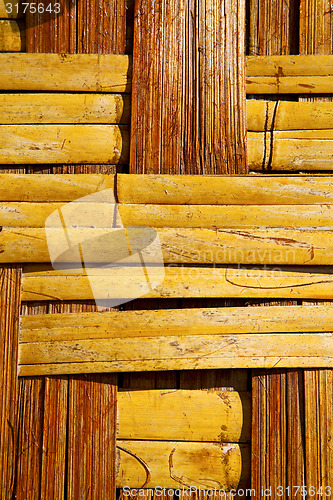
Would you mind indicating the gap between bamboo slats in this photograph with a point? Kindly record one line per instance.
(64, 108)
(175, 464)
(12, 36)
(228, 414)
(65, 72)
(34, 144)
(43, 283)
(175, 246)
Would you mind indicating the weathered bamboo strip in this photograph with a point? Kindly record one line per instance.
(177, 464)
(181, 282)
(179, 246)
(224, 190)
(31, 144)
(88, 214)
(12, 36)
(227, 413)
(65, 72)
(188, 114)
(10, 13)
(171, 322)
(287, 115)
(64, 108)
(52, 188)
(177, 353)
(10, 289)
(92, 435)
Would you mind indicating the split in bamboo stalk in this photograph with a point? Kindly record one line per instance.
(175, 464)
(65, 72)
(12, 36)
(179, 282)
(64, 108)
(33, 144)
(227, 412)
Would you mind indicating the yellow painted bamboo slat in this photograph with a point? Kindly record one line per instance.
(227, 412)
(255, 350)
(181, 282)
(52, 188)
(10, 13)
(65, 72)
(175, 464)
(289, 74)
(12, 36)
(31, 144)
(64, 108)
(224, 190)
(288, 115)
(173, 322)
(182, 246)
(29, 214)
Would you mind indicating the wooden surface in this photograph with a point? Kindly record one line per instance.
(12, 36)
(225, 190)
(33, 144)
(177, 464)
(188, 101)
(10, 281)
(64, 108)
(75, 73)
(227, 414)
(4, 13)
(42, 283)
(179, 246)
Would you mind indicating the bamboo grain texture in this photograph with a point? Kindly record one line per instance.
(12, 36)
(5, 12)
(227, 414)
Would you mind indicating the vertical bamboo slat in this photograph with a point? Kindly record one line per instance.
(10, 292)
(188, 91)
(316, 31)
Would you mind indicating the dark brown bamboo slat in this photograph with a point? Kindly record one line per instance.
(188, 88)
(277, 446)
(316, 27)
(10, 292)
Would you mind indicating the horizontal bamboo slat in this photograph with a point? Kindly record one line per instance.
(33, 144)
(288, 115)
(65, 72)
(225, 190)
(64, 108)
(311, 350)
(43, 283)
(289, 74)
(176, 464)
(52, 188)
(171, 322)
(88, 213)
(226, 411)
(12, 36)
(179, 246)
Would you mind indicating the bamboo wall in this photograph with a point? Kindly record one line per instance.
(187, 116)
